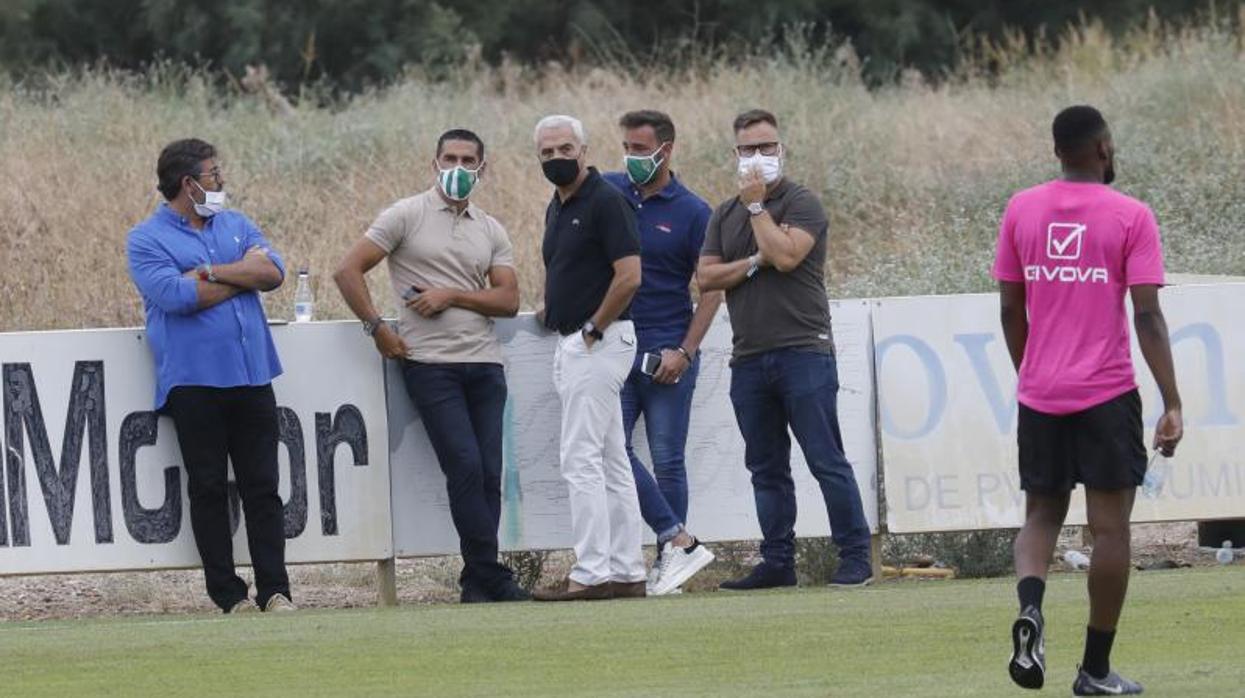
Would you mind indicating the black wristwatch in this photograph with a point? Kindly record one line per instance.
(591, 330)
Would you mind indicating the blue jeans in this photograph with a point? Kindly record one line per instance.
(798, 389)
(667, 410)
(461, 405)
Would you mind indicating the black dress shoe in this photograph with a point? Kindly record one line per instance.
(762, 576)
(511, 592)
(474, 594)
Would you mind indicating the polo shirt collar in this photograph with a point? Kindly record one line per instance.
(779, 191)
(673, 190)
(590, 183)
(472, 211)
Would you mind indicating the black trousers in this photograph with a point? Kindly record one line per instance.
(216, 426)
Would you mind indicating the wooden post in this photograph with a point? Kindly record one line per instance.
(386, 582)
(875, 553)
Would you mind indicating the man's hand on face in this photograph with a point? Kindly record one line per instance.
(752, 187)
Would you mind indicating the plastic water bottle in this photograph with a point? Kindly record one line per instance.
(1224, 555)
(1077, 559)
(1157, 472)
(304, 303)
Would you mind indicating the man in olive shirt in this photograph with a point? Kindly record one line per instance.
(592, 271)
(766, 248)
(453, 267)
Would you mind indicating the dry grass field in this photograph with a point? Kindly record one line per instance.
(914, 175)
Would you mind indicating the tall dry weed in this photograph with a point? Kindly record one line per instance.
(914, 176)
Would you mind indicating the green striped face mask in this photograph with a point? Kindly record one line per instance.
(457, 182)
(642, 168)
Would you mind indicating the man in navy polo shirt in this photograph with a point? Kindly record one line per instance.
(671, 221)
(200, 268)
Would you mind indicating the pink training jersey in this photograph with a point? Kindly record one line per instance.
(1077, 247)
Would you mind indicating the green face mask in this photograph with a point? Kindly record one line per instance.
(457, 182)
(642, 168)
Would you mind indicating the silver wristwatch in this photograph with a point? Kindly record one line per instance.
(756, 208)
(754, 263)
(370, 326)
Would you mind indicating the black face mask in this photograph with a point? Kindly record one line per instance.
(560, 171)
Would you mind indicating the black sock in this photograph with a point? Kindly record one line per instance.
(1097, 659)
(1030, 591)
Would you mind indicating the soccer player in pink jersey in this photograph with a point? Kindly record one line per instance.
(1068, 251)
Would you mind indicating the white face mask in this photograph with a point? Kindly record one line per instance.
(213, 202)
(771, 166)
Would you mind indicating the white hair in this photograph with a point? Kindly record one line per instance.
(559, 120)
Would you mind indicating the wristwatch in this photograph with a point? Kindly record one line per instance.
(756, 208)
(370, 326)
(205, 272)
(591, 330)
(754, 263)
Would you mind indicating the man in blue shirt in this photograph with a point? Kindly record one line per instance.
(200, 268)
(671, 221)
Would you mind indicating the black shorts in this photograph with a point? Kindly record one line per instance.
(1102, 448)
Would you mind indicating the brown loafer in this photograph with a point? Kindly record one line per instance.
(628, 590)
(561, 592)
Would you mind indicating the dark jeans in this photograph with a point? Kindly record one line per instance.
(796, 388)
(462, 405)
(216, 426)
(667, 410)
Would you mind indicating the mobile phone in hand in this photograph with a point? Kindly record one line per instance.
(649, 363)
(411, 293)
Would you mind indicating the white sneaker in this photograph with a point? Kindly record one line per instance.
(243, 606)
(652, 576)
(678, 565)
(279, 603)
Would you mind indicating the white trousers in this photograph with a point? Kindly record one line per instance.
(605, 511)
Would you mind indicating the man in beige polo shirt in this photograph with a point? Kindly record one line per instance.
(453, 267)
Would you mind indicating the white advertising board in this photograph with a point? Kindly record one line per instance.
(92, 478)
(947, 402)
(535, 512)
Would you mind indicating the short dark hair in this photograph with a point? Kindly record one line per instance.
(460, 134)
(1076, 127)
(178, 160)
(663, 127)
(754, 116)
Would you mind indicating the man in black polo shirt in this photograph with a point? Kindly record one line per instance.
(766, 248)
(592, 270)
